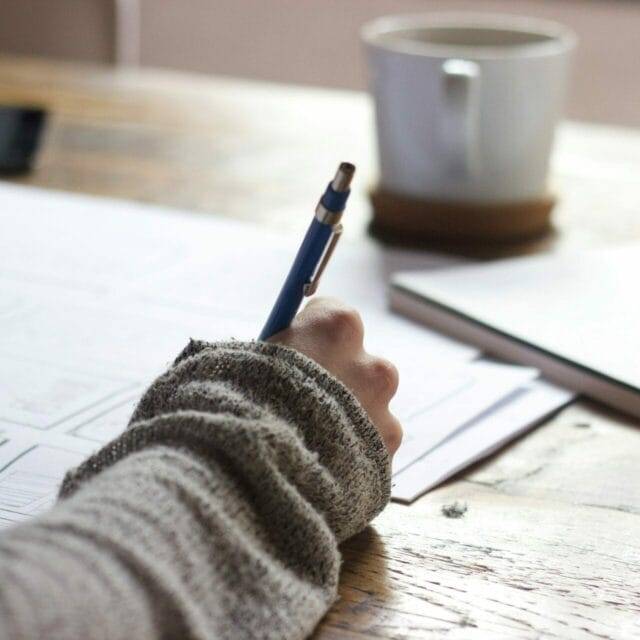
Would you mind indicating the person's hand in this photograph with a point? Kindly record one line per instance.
(332, 334)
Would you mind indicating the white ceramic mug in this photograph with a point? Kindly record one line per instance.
(466, 104)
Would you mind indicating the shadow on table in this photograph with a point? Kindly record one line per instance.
(364, 583)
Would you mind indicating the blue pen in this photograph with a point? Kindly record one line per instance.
(314, 253)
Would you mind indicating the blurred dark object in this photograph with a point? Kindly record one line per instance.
(20, 134)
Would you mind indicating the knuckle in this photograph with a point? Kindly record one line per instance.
(383, 376)
(345, 325)
(394, 437)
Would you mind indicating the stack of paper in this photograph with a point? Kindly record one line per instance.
(455, 406)
(98, 296)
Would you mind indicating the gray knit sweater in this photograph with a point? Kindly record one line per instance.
(216, 514)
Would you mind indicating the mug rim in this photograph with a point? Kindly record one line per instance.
(560, 39)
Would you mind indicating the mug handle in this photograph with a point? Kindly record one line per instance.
(460, 119)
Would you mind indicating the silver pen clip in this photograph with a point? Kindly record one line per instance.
(311, 287)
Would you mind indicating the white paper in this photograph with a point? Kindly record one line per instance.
(478, 387)
(135, 342)
(31, 470)
(82, 243)
(479, 439)
(412, 349)
(40, 395)
(108, 422)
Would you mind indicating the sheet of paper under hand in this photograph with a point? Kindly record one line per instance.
(520, 412)
(436, 411)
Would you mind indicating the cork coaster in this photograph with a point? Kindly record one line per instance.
(407, 220)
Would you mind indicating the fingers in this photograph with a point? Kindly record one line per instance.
(327, 331)
(374, 382)
(391, 432)
(332, 334)
(339, 326)
(382, 378)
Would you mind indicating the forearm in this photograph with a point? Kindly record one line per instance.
(217, 514)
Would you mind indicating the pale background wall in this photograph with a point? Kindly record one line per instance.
(316, 41)
(74, 29)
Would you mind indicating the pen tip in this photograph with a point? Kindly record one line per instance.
(347, 167)
(343, 176)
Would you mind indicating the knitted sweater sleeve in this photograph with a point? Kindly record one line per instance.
(216, 514)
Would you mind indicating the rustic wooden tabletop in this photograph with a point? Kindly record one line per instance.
(550, 544)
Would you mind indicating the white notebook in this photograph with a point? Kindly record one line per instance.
(576, 317)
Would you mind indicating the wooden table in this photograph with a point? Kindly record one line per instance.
(550, 544)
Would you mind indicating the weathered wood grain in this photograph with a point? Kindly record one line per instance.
(550, 544)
